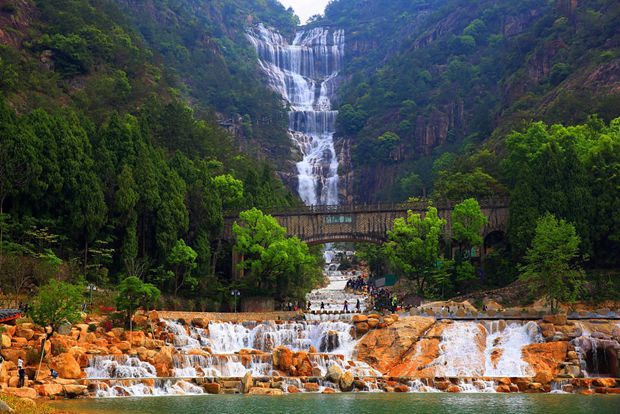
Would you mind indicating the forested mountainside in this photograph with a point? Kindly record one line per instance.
(204, 44)
(434, 79)
(104, 168)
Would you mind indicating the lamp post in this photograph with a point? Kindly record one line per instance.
(235, 294)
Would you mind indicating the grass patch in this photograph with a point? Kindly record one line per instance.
(25, 407)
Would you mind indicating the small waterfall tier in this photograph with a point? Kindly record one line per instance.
(493, 349)
(230, 338)
(305, 73)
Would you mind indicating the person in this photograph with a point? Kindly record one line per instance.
(290, 306)
(358, 305)
(309, 305)
(53, 373)
(322, 306)
(346, 306)
(21, 372)
(394, 302)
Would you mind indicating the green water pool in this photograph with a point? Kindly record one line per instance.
(352, 404)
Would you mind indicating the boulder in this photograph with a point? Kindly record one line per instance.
(453, 388)
(545, 358)
(75, 390)
(212, 387)
(66, 366)
(265, 391)
(5, 341)
(247, 382)
(502, 388)
(200, 322)
(558, 319)
(333, 373)
(311, 387)
(291, 389)
(346, 382)
(23, 332)
(154, 316)
(329, 391)
(164, 357)
(360, 318)
(361, 328)
(140, 320)
(383, 348)
(401, 388)
(49, 390)
(282, 358)
(24, 392)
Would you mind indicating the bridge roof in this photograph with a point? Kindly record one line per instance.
(9, 314)
(371, 207)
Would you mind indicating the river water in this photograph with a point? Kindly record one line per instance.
(353, 404)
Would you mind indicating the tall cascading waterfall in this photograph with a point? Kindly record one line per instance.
(305, 73)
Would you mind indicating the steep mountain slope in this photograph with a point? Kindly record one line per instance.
(104, 166)
(204, 43)
(441, 76)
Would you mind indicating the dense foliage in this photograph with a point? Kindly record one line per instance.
(57, 303)
(446, 75)
(272, 264)
(551, 266)
(104, 169)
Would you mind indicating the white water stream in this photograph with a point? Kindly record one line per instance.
(471, 349)
(305, 73)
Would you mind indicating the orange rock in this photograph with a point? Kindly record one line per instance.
(66, 366)
(212, 388)
(504, 381)
(496, 355)
(24, 392)
(401, 388)
(559, 319)
(282, 358)
(360, 318)
(453, 388)
(361, 328)
(545, 358)
(384, 348)
(23, 332)
(328, 391)
(311, 386)
(291, 389)
(49, 390)
(503, 388)
(586, 392)
(604, 382)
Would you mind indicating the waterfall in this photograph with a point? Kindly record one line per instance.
(469, 349)
(112, 367)
(305, 73)
(227, 338)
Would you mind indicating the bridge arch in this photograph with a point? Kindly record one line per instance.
(365, 222)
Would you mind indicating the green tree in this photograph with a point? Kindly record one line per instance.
(182, 258)
(275, 265)
(551, 265)
(230, 190)
(467, 224)
(57, 303)
(414, 246)
(133, 293)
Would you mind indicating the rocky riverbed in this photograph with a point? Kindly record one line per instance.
(391, 353)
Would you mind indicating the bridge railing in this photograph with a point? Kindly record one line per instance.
(370, 207)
